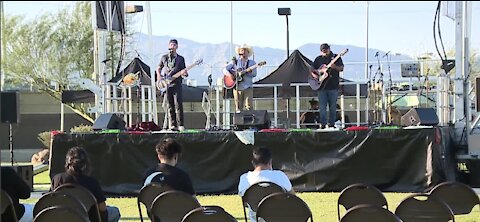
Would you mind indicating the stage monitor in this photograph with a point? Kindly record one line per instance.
(410, 70)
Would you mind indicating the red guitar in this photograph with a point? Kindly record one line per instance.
(230, 79)
(322, 72)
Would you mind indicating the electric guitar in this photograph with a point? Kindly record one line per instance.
(230, 79)
(320, 75)
(163, 84)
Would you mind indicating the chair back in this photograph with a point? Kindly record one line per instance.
(283, 207)
(58, 198)
(172, 206)
(147, 194)
(423, 208)
(7, 209)
(256, 192)
(208, 214)
(458, 196)
(370, 213)
(61, 213)
(358, 193)
(85, 197)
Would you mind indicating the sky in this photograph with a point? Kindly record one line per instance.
(399, 27)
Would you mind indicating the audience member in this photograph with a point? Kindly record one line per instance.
(77, 170)
(262, 172)
(17, 188)
(166, 172)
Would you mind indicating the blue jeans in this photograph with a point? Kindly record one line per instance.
(327, 97)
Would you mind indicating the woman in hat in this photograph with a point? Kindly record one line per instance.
(244, 74)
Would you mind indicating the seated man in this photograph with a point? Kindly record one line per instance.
(311, 118)
(262, 172)
(168, 153)
(17, 189)
(77, 170)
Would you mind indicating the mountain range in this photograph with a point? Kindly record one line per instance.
(215, 56)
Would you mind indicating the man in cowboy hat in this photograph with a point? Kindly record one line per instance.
(311, 118)
(243, 90)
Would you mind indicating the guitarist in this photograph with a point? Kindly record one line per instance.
(328, 91)
(173, 63)
(243, 91)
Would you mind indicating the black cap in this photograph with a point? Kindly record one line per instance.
(324, 46)
(173, 41)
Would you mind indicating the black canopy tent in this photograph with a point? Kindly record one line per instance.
(136, 66)
(296, 69)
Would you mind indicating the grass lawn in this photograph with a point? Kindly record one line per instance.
(322, 204)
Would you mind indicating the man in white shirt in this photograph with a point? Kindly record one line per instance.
(262, 172)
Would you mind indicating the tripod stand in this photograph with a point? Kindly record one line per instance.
(10, 142)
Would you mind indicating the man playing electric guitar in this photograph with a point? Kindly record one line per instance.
(328, 91)
(243, 90)
(173, 64)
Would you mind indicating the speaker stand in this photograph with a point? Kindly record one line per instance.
(10, 140)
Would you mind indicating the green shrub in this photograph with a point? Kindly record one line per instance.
(81, 129)
(45, 138)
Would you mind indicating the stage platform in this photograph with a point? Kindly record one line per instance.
(394, 160)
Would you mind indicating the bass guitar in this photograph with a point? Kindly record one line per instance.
(231, 79)
(320, 75)
(163, 84)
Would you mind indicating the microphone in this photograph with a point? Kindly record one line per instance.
(210, 80)
(386, 54)
(376, 54)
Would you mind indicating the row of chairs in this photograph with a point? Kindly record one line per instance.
(67, 201)
(168, 205)
(363, 202)
(272, 203)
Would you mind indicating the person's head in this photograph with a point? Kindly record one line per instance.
(324, 49)
(77, 161)
(173, 45)
(244, 51)
(262, 157)
(168, 151)
(313, 104)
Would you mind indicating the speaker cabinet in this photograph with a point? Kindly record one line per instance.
(257, 119)
(10, 109)
(420, 116)
(109, 121)
(26, 173)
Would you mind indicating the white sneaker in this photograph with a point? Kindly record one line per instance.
(181, 128)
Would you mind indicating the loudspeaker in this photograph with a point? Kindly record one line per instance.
(420, 116)
(10, 109)
(257, 119)
(26, 173)
(109, 121)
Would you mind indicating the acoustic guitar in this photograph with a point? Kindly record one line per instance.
(320, 76)
(163, 84)
(231, 79)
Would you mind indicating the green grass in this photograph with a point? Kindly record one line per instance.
(322, 204)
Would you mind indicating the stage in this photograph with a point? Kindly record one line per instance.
(394, 160)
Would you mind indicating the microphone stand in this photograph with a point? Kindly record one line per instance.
(389, 98)
(368, 91)
(380, 82)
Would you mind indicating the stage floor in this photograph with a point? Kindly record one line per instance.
(394, 160)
